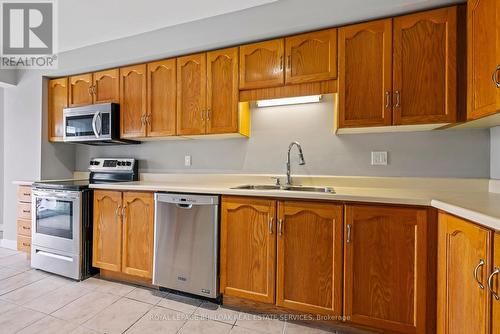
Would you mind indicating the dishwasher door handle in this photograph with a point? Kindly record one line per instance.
(184, 206)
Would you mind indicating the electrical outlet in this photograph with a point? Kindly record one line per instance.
(187, 160)
(379, 158)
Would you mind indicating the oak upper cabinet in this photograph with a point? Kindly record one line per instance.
(162, 98)
(311, 57)
(495, 285)
(80, 90)
(365, 74)
(191, 94)
(138, 225)
(222, 91)
(106, 86)
(107, 234)
(58, 100)
(309, 264)
(464, 253)
(483, 53)
(248, 248)
(133, 101)
(262, 64)
(425, 67)
(387, 266)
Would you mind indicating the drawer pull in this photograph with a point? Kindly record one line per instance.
(26, 194)
(26, 228)
(26, 245)
(26, 211)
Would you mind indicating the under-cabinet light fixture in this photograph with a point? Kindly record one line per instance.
(289, 100)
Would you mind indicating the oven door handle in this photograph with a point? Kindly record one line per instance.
(97, 124)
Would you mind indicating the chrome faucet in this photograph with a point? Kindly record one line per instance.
(301, 161)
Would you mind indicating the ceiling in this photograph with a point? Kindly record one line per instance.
(83, 23)
(89, 22)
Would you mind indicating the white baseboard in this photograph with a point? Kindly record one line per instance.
(6, 243)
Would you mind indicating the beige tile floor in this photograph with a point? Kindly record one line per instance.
(33, 301)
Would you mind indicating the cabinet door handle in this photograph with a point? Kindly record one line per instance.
(349, 226)
(202, 114)
(289, 62)
(118, 211)
(490, 283)
(271, 225)
(479, 265)
(209, 110)
(148, 119)
(280, 227)
(494, 76)
(124, 212)
(398, 99)
(387, 99)
(94, 89)
(281, 63)
(90, 90)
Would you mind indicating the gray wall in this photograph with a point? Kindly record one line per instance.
(495, 152)
(437, 154)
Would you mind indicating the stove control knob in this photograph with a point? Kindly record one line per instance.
(119, 163)
(129, 163)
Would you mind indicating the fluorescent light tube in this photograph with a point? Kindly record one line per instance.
(289, 100)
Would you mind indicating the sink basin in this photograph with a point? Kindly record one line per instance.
(286, 188)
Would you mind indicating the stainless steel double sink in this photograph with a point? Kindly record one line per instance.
(328, 190)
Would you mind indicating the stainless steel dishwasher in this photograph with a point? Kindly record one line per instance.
(186, 239)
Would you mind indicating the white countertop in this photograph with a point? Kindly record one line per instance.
(475, 203)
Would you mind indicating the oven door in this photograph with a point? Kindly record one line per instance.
(85, 125)
(56, 219)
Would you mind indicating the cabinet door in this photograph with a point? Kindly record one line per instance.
(365, 74)
(191, 94)
(310, 257)
(107, 236)
(248, 248)
(385, 267)
(138, 215)
(483, 53)
(311, 57)
(425, 67)
(80, 90)
(261, 64)
(133, 101)
(107, 86)
(162, 97)
(58, 100)
(222, 91)
(496, 285)
(463, 249)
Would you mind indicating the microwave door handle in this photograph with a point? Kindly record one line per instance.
(94, 124)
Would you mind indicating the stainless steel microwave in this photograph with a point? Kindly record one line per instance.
(96, 124)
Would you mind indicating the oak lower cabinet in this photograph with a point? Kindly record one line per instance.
(468, 278)
(123, 232)
(309, 264)
(287, 253)
(494, 278)
(248, 248)
(389, 268)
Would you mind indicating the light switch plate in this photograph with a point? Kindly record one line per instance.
(187, 161)
(379, 158)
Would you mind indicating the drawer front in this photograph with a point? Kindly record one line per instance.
(24, 227)
(24, 244)
(24, 211)
(24, 194)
